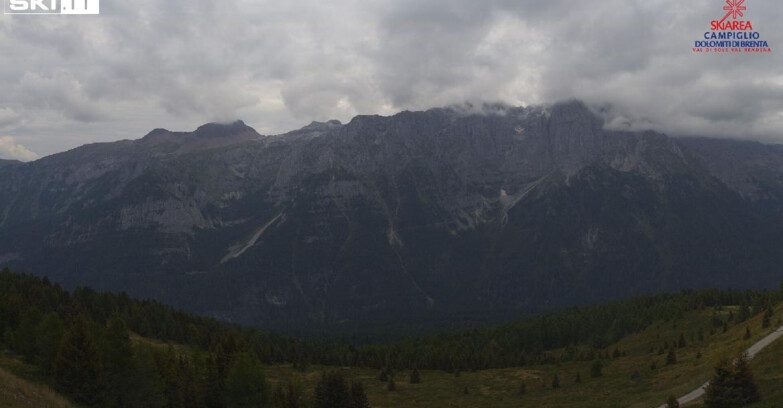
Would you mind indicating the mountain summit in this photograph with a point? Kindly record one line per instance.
(446, 215)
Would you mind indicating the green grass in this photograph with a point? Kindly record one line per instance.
(22, 386)
(499, 388)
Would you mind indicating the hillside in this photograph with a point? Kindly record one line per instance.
(619, 386)
(440, 219)
(80, 345)
(16, 392)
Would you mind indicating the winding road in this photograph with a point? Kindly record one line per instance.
(752, 351)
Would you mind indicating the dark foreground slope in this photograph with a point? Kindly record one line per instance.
(439, 216)
(109, 350)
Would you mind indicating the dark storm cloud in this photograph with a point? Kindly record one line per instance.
(142, 64)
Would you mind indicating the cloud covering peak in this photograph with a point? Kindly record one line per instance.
(175, 64)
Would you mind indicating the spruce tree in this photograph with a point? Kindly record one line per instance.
(117, 363)
(732, 385)
(76, 366)
(246, 385)
(332, 392)
(358, 397)
(49, 333)
(596, 369)
(767, 317)
(415, 377)
(671, 358)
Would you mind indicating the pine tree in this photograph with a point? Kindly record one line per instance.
(732, 385)
(672, 402)
(117, 363)
(332, 392)
(767, 317)
(147, 382)
(555, 382)
(596, 369)
(747, 332)
(76, 366)
(415, 377)
(391, 386)
(49, 333)
(681, 342)
(671, 358)
(246, 385)
(358, 397)
(522, 388)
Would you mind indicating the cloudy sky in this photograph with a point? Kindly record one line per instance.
(142, 64)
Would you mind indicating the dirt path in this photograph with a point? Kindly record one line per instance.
(752, 351)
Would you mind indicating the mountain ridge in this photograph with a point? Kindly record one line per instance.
(419, 215)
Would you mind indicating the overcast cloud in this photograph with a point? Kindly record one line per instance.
(142, 64)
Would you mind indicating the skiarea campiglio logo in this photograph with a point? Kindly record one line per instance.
(732, 33)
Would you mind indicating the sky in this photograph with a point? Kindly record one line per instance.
(278, 65)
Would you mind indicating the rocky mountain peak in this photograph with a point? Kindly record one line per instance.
(214, 130)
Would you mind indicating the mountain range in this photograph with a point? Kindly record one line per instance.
(448, 217)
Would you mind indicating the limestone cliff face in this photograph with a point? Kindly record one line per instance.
(418, 216)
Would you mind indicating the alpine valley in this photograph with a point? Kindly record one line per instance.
(442, 218)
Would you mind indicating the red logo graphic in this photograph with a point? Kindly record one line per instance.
(735, 9)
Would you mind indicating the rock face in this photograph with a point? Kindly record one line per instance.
(435, 217)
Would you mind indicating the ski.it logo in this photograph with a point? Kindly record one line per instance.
(51, 6)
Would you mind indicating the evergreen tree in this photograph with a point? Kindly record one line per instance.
(76, 366)
(331, 391)
(732, 385)
(25, 335)
(555, 382)
(522, 388)
(146, 381)
(596, 369)
(358, 397)
(767, 317)
(48, 335)
(117, 363)
(391, 386)
(671, 358)
(672, 402)
(653, 366)
(744, 311)
(681, 342)
(578, 378)
(246, 385)
(747, 332)
(415, 377)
